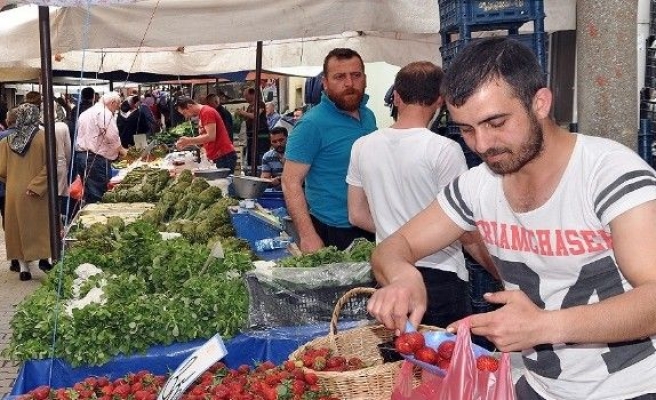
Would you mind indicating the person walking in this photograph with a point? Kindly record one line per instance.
(23, 169)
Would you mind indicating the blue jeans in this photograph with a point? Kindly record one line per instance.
(448, 297)
(227, 161)
(95, 172)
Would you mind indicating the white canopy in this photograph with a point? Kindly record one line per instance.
(215, 36)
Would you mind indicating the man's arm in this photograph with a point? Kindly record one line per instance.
(403, 296)
(358, 209)
(293, 175)
(208, 136)
(472, 242)
(628, 316)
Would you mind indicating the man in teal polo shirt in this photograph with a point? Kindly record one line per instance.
(318, 152)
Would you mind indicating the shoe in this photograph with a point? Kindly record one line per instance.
(44, 265)
(14, 266)
(25, 276)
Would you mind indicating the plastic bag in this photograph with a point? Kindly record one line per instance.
(76, 191)
(462, 381)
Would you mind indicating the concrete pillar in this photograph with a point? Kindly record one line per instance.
(607, 86)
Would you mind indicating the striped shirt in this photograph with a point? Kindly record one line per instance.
(561, 255)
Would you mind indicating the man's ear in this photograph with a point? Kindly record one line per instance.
(542, 103)
(396, 99)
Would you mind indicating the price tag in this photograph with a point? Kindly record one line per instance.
(191, 368)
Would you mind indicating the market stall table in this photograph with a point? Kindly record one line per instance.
(250, 347)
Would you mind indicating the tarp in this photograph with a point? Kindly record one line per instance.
(216, 36)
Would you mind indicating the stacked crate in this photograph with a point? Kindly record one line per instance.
(648, 95)
(460, 18)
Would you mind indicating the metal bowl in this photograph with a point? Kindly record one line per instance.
(249, 187)
(212, 173)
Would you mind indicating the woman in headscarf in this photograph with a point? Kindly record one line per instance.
(23, 169)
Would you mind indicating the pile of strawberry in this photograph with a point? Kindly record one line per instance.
(324, 359)
(264, 382)
(414, 343)
(142, 385)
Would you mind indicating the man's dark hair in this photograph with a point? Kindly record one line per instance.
(419, 83)
(277, 130)
(183, 102)
(484, 60)
(340, 53)
(87, 93)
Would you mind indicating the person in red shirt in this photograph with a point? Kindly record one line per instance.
(213, 135)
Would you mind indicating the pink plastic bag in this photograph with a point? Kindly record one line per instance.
(463, 381)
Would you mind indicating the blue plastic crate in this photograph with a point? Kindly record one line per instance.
(250, 227)
(488, 14)
(272, 199)
(535, 41)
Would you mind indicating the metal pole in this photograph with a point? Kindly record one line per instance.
(51, 141)
(256, 108)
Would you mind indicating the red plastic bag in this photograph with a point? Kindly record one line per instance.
(463, 381)
(76, 191)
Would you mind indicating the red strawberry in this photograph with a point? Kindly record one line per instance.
(41, 392)
(427, 355)
(416, 340)
(402, 346)
(487, 363)
(445, 349)
(311, 378)
(289, 365)
(319, 363)
(443, 364)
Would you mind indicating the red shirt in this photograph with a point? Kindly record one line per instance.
(221, 144)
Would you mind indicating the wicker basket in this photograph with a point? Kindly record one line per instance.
(373, 382)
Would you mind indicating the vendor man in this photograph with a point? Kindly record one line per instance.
(274, 159)
(569, 222)
(213, 136)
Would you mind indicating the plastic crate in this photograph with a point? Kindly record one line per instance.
(271, 306)
(272, 199)
(456, 15)
(252, 228)
(535, 41)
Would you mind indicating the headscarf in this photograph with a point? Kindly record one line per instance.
(27, 125)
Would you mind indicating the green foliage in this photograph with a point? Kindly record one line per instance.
(156, 292)
(360, 251)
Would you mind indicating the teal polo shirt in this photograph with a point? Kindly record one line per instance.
(323, 138)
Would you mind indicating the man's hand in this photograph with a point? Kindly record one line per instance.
(275, 181)
(122, 152)
(403, 299)
(183, 142)
(516, 326)
(311, 243)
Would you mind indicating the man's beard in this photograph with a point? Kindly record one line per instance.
(280, 149)
(528, 151)
(347, 104)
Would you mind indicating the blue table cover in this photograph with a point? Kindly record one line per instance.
(250, 347)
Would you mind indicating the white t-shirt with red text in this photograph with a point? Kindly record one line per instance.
(561, 255)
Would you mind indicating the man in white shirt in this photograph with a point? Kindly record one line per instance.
(98, 144)
(398, 171)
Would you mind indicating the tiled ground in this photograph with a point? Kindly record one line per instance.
(12, 291)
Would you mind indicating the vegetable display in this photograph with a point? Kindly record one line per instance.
(148, 292)
(142, 184)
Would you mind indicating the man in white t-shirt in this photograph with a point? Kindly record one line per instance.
(396, 172)
(569, 222)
